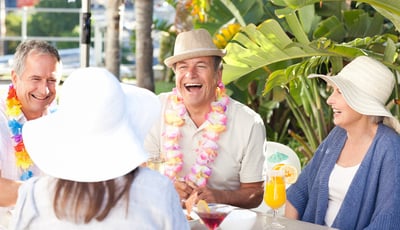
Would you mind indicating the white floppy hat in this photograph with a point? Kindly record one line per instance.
(98, 130)
(366, 85)
(191, 44)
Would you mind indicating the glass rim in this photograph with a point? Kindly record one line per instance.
(275, 172)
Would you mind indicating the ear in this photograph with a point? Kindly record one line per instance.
(14, 77)
(219, 76)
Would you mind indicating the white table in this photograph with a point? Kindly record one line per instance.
(263, 219)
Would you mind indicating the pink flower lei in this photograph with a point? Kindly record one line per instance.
(207, 149)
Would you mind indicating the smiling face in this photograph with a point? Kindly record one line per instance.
(36, 86)
(343, 115)
(197, 80)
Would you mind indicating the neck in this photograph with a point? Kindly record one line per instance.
(32, 116)
(357, 145)
(198, 114)
(362, 132)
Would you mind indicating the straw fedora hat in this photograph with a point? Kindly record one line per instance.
(98, 130)
(191, 44)
(366, 85)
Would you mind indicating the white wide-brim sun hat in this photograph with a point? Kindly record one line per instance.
(366, 84)
(98, 130)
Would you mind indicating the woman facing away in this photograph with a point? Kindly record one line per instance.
(91, 150)
(353, 180)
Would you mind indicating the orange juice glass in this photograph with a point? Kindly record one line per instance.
(275, 194)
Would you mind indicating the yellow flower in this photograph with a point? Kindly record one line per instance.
(23, 159)
(216, 128)
(173, 119)
(14, 111)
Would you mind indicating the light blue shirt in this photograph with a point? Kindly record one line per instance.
(153, 204)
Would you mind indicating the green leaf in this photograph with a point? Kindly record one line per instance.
(330, 28)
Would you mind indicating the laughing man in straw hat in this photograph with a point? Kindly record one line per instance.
(213, 145)
(352, 182)
(90, 149)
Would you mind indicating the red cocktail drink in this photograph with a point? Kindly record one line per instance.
(214, 216)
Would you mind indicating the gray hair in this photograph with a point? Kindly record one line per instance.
(377, 119)
(26, 47)
(218, 63)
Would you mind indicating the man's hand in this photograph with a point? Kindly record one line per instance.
(184, 189)
(209, 195)
(249, 195)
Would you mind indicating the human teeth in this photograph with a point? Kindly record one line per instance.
(191, 85)
(39, 98)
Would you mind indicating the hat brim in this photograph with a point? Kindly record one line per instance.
(147, 113)
(193, 54)
(355, 98)
(63, 151)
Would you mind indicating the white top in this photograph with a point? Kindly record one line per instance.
(339, 183)
(153, 204)
(240, 148)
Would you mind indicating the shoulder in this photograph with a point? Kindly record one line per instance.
(386, 134)
(150, 184)
(387, 140)
(37, 183)
(242, 112)
(33, 191)
(146, 178)
(163, 97)
(331, 146)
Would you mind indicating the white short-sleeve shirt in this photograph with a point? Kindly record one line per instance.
(240, 148)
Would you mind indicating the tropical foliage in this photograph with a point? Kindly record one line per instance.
(283, 54)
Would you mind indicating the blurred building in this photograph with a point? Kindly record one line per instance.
(11, 3)
(21, 3)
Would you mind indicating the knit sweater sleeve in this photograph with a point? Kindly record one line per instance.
(309, 195)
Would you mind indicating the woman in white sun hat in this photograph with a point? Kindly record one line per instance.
(352, 182)
(91, 150)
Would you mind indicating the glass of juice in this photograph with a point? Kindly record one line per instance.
(275, 194)
(156, 163)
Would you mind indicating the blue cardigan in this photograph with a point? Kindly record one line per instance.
(373, 198)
